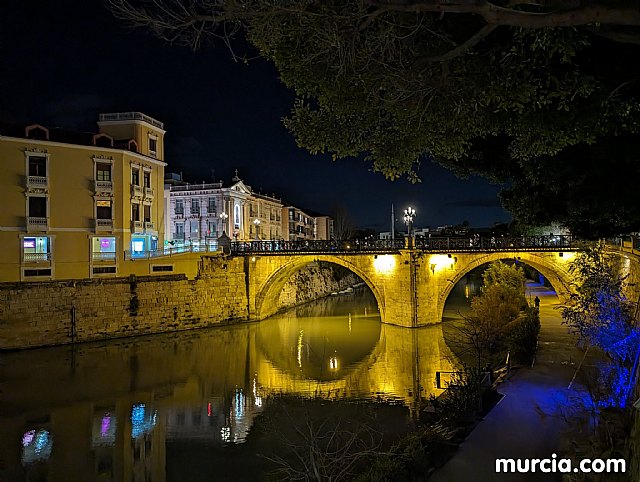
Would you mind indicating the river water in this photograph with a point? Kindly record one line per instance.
(201, 405)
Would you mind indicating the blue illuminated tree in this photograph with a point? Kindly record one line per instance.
(601, 315)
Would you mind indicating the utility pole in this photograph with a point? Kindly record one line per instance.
(393, 224)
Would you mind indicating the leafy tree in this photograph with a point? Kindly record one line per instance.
(597, 309)
(483, 332)
(501, 273)
(510, 90)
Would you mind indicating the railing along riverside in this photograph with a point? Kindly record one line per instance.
(209, 247)
(435, 244)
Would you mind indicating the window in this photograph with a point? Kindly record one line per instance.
(103, 171)
(37, 207)
(179, 209)
(103, 247)
(236, 217)
(179, 231)
(195, 206)
(137, 245)
(213, 226)
(135, 212)
(135, 176)
(153, 145)
(211, 206)
(38, 166)
(36, 248)
(195, 228)
(147, 179)
(103, 209)
(147, 213)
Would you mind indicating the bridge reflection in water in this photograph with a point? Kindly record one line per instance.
(117, 408)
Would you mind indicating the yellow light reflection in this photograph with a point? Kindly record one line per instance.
(385, 263)
(300, 348)
(440, 262)
(333, 363)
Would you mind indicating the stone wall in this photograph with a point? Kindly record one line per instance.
(314, 281)
(57, 312)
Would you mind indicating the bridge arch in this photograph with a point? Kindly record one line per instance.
(552, 265)
(267, 293)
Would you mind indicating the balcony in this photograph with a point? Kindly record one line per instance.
(37, 224)
(149, 226)
(148, 192)
(37, 182)
(136, 191)
(137, 226)
(104, 224)
(103, 186)
(36, 257)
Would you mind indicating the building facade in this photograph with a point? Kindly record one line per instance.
(198, 213)
(73, 204)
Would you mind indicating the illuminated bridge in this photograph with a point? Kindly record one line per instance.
(410, 278)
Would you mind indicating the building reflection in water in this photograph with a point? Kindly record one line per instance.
(204, 387)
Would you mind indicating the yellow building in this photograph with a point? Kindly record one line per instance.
(73, 203)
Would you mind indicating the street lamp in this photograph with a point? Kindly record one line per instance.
(409, 214)
(223, 218)
(257, 223)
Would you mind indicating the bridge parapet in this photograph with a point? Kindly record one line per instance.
(391, 246)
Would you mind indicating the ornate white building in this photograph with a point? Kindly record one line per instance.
(202, 212)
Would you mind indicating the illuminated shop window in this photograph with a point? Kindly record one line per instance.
(103, 247)
(36, 248)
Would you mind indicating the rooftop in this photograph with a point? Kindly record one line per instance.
(128, 116)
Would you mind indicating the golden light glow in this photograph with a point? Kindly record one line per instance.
(300, 348)
(333, 363)
(440, 262)
(384, 264)
(567, 256)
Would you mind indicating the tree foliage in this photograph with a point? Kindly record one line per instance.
(519, 92)
(598, 310)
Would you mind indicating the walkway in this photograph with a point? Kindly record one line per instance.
(528, 421)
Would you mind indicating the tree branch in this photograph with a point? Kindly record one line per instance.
(494, 14)
(466, 45)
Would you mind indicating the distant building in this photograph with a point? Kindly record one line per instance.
(299, 225)
(73, 203)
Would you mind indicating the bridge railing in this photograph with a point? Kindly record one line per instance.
(495, 243)
(318, 246)
(477, 243)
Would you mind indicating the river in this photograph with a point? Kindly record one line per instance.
(200, 405)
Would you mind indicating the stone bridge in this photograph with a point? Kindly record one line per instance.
(411, 281)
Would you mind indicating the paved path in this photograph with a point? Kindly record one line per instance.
(528, 421)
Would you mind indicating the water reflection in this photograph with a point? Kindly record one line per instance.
(125, 408)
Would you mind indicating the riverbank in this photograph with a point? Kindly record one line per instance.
(529, 421)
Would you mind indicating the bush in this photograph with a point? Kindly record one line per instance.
(522, 336)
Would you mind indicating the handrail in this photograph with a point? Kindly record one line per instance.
(433, 244)
(211, 247)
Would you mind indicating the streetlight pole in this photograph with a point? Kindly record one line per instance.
(256, 221)
(409, 214)
(223, 218)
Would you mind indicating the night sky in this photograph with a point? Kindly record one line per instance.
(63, 62)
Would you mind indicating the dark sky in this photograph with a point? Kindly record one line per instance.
(62, 62)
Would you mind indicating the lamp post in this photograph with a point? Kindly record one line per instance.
(256, 221)
(223, 218)
(409, 214)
